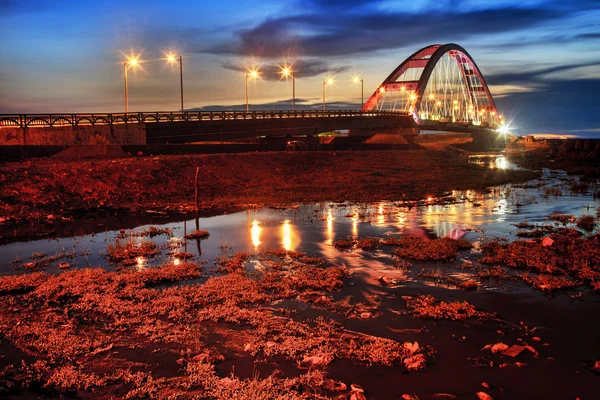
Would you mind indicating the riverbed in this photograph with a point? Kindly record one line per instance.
(560, 327)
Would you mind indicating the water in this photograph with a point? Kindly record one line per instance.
(313, 228)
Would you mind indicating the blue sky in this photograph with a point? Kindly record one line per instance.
(541, 58)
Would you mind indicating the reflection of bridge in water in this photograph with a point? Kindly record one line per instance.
(438, 88)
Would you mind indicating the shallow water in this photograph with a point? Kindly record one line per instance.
(313, 228)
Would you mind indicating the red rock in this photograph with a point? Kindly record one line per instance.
(513, 350)
(484, 396)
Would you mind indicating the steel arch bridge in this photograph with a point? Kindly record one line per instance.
(438, 83)
(438, 88)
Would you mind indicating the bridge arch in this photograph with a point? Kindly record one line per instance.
(440, 83)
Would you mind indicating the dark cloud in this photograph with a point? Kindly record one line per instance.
(343, 5)
(533, 76)
(305, 68)
(321, 34)
(592, 35)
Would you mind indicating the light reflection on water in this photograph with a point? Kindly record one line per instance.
(314, 227)
(255, 233)
(492, 161)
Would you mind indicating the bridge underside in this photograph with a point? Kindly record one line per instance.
(185, 132)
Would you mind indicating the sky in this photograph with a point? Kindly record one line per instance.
(541, 59)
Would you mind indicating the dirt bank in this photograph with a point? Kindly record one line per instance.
(43, 187)
(575, 156)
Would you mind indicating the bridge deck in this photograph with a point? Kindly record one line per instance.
(61, 120)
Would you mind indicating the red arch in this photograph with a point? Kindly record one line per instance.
(421, 59)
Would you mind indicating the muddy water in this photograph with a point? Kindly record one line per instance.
(312, 228)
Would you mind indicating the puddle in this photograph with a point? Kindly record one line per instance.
(312, 228)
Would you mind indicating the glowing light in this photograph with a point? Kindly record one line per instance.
(253, 73)
(141, 262)
(255, 233)
(356, 79)
(286, 231)
(501, 163)
(431, 96)
(171, 58)
(455, 102)
(330, 227)
(381, 90)
(329, 81)
(439, 103)
(132, 61)
(429, 199)
(413, 97)
(176, 261)
(286, 71)
(504, 129)
(402, 88)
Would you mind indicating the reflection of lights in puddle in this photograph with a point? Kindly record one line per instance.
(286, 232)
(141, 262)
(355, 226)
(380, 215)
(501, 163)
(330, 227)
(255, 233)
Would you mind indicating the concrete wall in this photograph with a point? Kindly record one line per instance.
(77, 135)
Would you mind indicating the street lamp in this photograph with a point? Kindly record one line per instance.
(253, 73)
(288, 72)
(172, 58)
(357, 79)
(328, 81)
(133, 62)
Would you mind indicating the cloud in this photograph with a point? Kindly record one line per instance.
(591, 35)
(348, 33)
(305, 68)
(533, 76)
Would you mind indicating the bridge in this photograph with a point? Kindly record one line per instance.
(438, 88)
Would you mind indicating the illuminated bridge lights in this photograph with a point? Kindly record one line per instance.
(448, 86)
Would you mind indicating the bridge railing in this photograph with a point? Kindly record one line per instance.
(65, 120)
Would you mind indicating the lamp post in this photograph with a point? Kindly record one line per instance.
(252, 74)
(357, 79)
(328, 81)
(172, 58)
(285, 72)
(133, 62)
